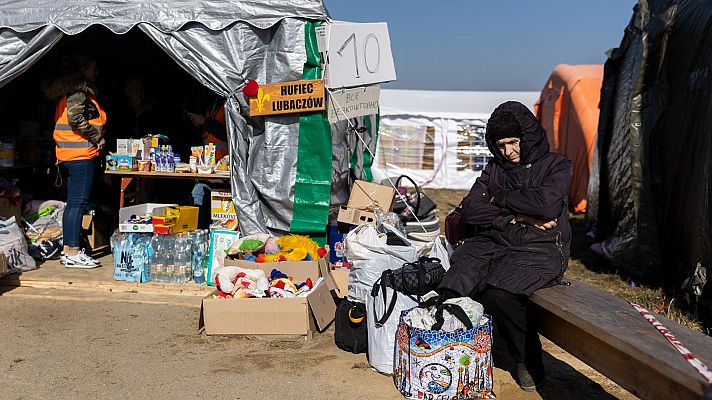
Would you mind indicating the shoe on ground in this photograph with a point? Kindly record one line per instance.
(525, 380)
(80, 260)
(49, 248)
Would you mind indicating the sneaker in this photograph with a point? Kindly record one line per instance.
(49, 248)
(525, 380)
(80, 260)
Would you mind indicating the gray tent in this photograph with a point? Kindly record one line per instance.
(221, 44)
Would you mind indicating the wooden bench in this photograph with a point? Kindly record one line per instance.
(608, 334)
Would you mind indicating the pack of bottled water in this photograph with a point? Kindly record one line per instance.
(179, 258)
(131, 253)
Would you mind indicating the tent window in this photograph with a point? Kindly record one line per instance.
(472, 151)
(407, 147)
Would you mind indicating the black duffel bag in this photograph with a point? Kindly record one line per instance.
(351, 330)
(415, 278)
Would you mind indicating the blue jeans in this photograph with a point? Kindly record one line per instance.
(81, 177)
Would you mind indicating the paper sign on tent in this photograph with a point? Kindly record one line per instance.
(356, 54)
(350, 103)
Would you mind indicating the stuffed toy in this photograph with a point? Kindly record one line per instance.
(241, 282)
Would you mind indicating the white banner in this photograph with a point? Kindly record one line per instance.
(350, 103)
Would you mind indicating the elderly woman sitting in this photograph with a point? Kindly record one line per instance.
(518, 233)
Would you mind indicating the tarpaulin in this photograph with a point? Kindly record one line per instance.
(653, 186)
(73, 16)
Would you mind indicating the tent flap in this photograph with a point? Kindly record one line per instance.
(19, 51)
(73, 16)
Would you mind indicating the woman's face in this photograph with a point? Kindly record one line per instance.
(89, 72)
(509, 147)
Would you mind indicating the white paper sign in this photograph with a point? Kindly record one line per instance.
(350, 103)
(357, 54)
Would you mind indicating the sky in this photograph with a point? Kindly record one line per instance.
(496, 45)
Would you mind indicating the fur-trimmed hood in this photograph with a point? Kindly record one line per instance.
(59, 87)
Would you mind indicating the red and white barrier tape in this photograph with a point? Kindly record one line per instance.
(696, 363)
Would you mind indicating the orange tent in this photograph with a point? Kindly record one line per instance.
(568, 110)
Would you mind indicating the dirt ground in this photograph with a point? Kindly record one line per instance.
(64, 344)
(76, 343)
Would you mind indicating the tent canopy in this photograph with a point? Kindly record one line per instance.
(228, 43)
(437, 137)
(73, 16)
(448, 104)
(568, 110)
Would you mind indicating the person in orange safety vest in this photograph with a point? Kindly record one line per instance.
(79, 139)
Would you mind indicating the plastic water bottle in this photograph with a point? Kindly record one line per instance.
(169, 254)
(170, 161)
(158, 268)
(198, 275)
(182, 259)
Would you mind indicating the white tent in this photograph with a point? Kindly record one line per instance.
(437, 137)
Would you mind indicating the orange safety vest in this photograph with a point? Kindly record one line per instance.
(221, 149)
(70, 145)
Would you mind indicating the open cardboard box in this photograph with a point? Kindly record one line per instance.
(140, 209)
(364, 196)
(96, 231)
(274, 317)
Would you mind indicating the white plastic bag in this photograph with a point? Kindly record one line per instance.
(369, 256)
(14, 246)
(474, 311)
(437, 250)
(382, 338)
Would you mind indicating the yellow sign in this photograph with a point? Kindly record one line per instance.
(288, 97)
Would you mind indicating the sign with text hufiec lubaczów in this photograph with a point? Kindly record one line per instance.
(288, 97)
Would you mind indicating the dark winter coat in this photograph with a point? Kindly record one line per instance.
(515, 257)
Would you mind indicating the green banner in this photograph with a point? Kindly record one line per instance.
(366, 155)
(312, 188)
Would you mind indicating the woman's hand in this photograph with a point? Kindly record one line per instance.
(537, 223)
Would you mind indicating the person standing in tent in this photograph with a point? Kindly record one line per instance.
(79, 139)
(517, 231)
(213, 125)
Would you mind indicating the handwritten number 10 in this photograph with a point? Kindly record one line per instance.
(352, 38)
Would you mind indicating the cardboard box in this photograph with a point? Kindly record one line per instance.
(96, 232)
(121, 163)
(136, 149)
(163, 219)
(8, 209)
(186, 218)
(220, 241)
(221, 205)
(140, 209)
(163, 229)
(300, 316)
(4, 266)
(122, 147)
(366, 196)
(341, 279)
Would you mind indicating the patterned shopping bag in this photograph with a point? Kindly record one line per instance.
(434, 364)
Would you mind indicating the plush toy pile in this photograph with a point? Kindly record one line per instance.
(263, 248)
(237, 282)
(241, 283)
